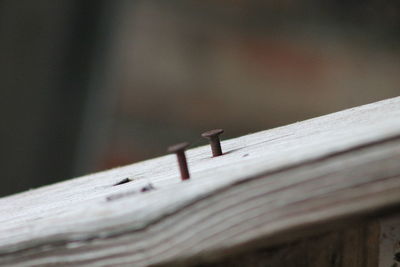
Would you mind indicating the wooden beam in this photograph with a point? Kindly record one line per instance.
(268, 187)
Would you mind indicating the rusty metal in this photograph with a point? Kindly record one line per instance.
(213, 137)
(179, 150)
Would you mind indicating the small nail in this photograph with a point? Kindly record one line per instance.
(213, 137)
(179, 150)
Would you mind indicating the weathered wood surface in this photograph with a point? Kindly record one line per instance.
(353, 246)
(389, 241)
(269, 186)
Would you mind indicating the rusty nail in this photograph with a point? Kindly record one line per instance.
(179, 150)
(213, 137)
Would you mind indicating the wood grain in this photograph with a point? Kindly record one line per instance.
(269, 186)
(339, 248)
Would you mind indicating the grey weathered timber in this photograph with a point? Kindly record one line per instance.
(306, 181)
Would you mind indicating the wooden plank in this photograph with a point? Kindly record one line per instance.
(269, 186)
(389, 242)
(339, 248)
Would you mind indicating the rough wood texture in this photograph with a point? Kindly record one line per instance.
(341, 248)
(269, 187)
(389, 243)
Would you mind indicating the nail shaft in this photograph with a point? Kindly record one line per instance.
(215, 146)
(183, 167)
(215, 143)
(179, 150)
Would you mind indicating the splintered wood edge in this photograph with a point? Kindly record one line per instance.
(345, 184)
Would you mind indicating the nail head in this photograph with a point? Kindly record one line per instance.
(178, 147)
(212, 133)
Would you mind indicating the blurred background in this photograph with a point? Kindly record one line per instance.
(90, 85)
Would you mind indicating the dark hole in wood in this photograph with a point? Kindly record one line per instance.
(123, 181)
(147, 188)
(120, 195)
